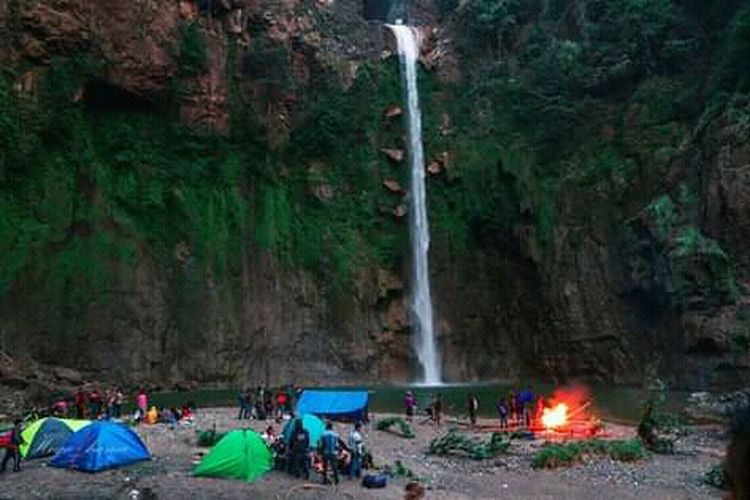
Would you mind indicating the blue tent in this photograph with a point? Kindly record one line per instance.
(311, 423)
(348, 405)
(100, 446)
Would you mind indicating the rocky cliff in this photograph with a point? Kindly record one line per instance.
(212, 192)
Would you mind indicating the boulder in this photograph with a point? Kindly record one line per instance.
(388, 282)
(393, 111)
(393, 186)
(400, 211)
(434, 168)
(396, 155)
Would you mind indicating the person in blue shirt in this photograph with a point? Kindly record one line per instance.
(329, 444)
(526, 402)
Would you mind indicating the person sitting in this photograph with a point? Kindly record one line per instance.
(152, 416)
(186, 414)
(269, 436)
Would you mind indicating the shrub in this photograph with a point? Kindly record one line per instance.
(551, 456)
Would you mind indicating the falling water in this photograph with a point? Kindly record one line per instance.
(421, 301)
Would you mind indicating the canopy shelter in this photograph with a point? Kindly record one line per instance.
(341, 405)
(312, 424)
(101, 446)
(46, 436)
(240, 454)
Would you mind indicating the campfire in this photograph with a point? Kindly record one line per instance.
(567, 413)
(554, 418)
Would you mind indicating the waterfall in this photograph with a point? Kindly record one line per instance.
(421, 300)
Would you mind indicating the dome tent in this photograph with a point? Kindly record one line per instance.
(101, 446)
(311, 423)
(240, 454)
(46, 436)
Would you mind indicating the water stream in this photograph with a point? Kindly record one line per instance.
(425, 345)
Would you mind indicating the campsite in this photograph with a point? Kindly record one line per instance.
(451, 249)
(156, 461)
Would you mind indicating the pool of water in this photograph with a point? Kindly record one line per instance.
(620, 404)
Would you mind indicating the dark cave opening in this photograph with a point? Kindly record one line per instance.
(101, 96)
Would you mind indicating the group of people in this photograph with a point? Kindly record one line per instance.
(262, 403)
(91, 404)
(434, 410)
(333, 454)
(519, 409)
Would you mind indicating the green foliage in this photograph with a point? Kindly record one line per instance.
(553, 455)
(718, 478)
(207, 439)
(731, 75)
(193, 52)
(398, 469)
(456, 443)
(387, 424)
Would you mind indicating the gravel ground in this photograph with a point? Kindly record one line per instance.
(508, 476)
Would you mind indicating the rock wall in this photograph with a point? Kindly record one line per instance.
(587, 307)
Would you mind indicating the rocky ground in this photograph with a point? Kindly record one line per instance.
(509, 476)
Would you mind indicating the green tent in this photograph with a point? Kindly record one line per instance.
(46, 436)
(241, 454)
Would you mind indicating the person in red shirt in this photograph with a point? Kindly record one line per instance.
(81, 402)
(281, 400)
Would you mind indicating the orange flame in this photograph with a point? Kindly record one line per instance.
(553, 418)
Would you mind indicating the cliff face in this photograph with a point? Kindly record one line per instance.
(642, 273)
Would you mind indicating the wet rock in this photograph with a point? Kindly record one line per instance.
(400, 211)
(393, 186)
(434, 168)
(396, 155)
(393, 111)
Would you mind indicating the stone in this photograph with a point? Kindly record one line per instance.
(446, 126)
(323, 192)
(397, 316)
(434, 168)
(396, 155)
(393, 111)
(393, 186)
(400, 210)
(388, 282)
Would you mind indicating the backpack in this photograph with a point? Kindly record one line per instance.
(371, 481)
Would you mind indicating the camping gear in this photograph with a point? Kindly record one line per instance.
(372, 481)
(340, 405)
(101, 446)
(241, 454)
(311, 423)
(46, 436)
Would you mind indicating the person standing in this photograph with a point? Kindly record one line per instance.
(502, 411)
(473, 404)
(329, 442)
(81, 403)
(513, 407)
(410, 404)
(299, 446)
(141, 402)
(12, 452)
(117, 407)
(526, 402)
(437, 408)
(357, 447)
